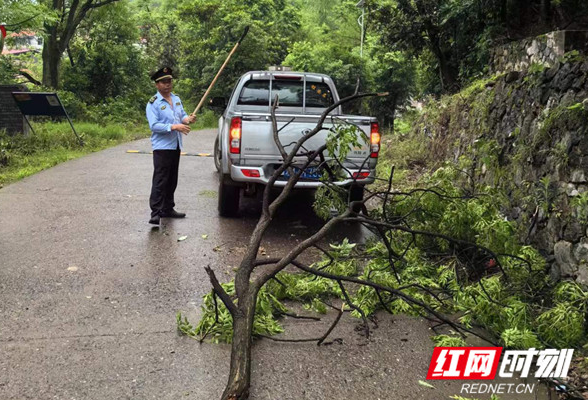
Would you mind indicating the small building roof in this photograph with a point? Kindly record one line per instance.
(15, 51)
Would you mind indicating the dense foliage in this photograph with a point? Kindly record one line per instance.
(54, 143)
(106, 61)
(452, 40)
(516, 303)
(410, 47)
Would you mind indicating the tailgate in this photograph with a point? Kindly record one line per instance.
(257, 140)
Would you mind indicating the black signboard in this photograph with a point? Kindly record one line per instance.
(47, 104)
(39, 104)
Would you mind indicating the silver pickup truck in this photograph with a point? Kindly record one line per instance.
(245, 153)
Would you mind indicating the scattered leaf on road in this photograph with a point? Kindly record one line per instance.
(425, 384)
(204, 236)
(73, 268)
(208, 193)
(181, 238)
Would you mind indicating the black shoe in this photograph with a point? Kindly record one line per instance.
(154, 220)
(173, 214)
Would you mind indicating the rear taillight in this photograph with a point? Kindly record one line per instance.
(250, 173)
(235, 136)
(361, 175)
(374, 140)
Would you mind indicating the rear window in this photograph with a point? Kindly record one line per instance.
(256, 93)
(318, 95)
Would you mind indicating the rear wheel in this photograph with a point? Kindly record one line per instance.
(217, 155)
(356, 194)
(228, 198)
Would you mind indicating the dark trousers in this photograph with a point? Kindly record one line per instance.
(165, 180)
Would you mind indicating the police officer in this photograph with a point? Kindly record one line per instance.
(168, 122)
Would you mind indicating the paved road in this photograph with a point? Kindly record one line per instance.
(89, 292)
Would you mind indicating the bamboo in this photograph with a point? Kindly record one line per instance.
(219, 71)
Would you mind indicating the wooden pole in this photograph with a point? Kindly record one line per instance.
(219, 71)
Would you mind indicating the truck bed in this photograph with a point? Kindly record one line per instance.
(257, 141)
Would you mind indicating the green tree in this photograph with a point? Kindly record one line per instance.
(60, 31)
(159, 32)
(393, 72)
(209, 29)
(106, 59)
(454, 38)
(329, 44)
(344, 66)
(412, 25)
(18, 15)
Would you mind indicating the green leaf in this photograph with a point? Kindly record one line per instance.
(425, 384)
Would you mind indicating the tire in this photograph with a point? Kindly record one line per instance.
(228, 198)
(356, 194)
(217, 155)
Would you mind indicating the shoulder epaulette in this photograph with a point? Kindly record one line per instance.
(152, 100)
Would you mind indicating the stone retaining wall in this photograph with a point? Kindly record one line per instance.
(544, 50)
(535, 128)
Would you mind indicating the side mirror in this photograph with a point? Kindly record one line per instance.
(217, 103)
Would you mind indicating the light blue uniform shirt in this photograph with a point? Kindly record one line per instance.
(161, 117)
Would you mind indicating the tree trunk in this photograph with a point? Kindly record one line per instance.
(545, 12)
(446, 73)
(51, 61)
(240, 374)
(504, 12)
(448, 81)
(393, 113)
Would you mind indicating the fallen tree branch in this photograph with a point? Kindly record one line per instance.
(318, 340)
(335, 322)
(430, 234)
(203, 337)
(409, 299)
(218, 289)
(366, 326)
(296, 316)
(286, 340)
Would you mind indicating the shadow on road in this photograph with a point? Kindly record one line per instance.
(294, 222)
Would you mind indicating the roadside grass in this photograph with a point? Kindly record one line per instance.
(29, 165)
(405, 152)
(54, 143)
(206, 119)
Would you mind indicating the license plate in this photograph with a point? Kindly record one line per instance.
(308, 173)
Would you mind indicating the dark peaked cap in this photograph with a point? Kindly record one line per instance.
(165, 72)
